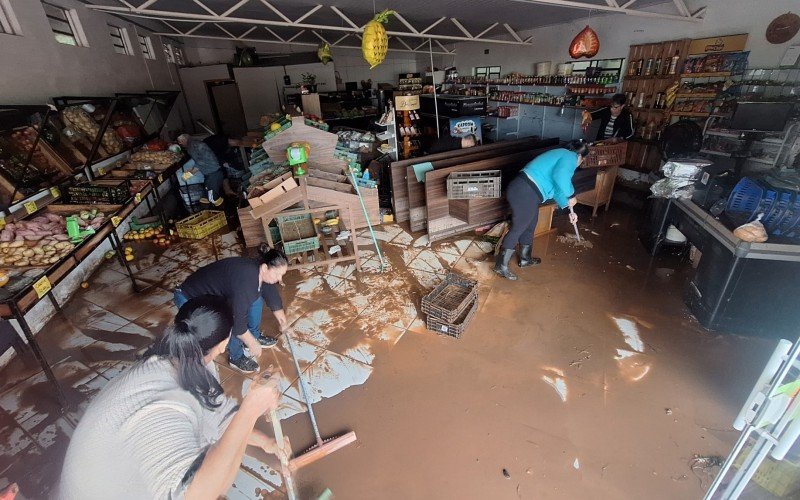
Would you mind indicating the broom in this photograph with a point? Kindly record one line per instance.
(322, 448)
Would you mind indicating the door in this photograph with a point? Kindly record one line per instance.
(226, 108)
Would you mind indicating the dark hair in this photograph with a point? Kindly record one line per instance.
(619, 99)
(578, 146)
(272, 257)
(201, 324)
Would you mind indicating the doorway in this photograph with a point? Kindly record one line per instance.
(226, 107)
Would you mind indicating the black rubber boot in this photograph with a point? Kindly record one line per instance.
(501, 264)
(525, 258)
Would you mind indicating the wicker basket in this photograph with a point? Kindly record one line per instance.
(471, 185)
(606, 155)
(456, 328)
(450, 298)
(201, 224)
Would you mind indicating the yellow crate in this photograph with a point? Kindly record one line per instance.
(201, 224)
(781, 478)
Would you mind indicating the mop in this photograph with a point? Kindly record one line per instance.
(322, 448)
(286, 470)
(369, 223)
(576, 238)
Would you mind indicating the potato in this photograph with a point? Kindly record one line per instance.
(23, 262)
(28, 253)
(16, 244)
(62, 245)
(53, 260)
(5, 244)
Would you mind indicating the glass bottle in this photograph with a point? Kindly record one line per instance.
(673, 63)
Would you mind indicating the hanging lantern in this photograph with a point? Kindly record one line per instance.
(324, 53)
(585, 44)
(375, 42)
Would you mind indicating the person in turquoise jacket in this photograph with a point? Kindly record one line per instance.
(546, 177)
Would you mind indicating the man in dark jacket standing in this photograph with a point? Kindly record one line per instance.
(615, 120)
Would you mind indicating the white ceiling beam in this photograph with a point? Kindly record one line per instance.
(277, 37)
(147, 4)
(682, 9)
(699, 13)
(288, 40)
(607, 8)
(435, 24)
(320, 37)
(276, 11)
(248, 32)
(461, 27)
(490, 28)
(205, 7)
(308, 14)
(312, 44)
(344, 17)
(126, 4)
(512, 32)
(612, 3)
(420, 45)
(337, 42)
(234, 8)
(224, 30)
(628, 4)
(405, 23)
(198, 26)
(183, 16)
(442, 46)
(173, 27)
(403, 42)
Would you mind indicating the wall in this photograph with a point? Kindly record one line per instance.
(618, 32)
(36, 67)
(194, 90)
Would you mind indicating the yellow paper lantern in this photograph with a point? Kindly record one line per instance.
(375, 42)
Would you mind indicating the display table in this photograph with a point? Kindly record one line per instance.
(739, 287)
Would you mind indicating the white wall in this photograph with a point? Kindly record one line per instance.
(352, 67)
(618, 32)
(194, 89)
(36, 67)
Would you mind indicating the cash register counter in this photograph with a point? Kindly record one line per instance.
(739, 287)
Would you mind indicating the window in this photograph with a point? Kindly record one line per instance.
(65, 25)
(120, 40)
(488, 72)
(8, 22)
(147, 47)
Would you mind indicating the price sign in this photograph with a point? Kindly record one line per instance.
(30, 207)
(54, 192)
(138, 197)
(42, 286)
(116, 220)
(160, 178)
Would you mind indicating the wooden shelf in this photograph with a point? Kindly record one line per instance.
(706, 75)
(696, 96)
(652, 77)
(691, 115)
(648, 109)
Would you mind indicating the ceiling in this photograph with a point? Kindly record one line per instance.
(474, 16)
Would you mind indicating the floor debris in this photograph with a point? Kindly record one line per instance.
(571, 239)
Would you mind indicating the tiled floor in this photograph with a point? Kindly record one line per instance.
(573, 346)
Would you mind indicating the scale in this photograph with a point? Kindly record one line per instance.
(771, 414)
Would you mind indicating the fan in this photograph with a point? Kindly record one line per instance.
(245, 56)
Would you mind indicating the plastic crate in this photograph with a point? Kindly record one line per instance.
(456, 328)
(781, 478)
(606, 155)
(450, 298)
(297, 233)
(472, 185)
(272, 133)
(201, 224)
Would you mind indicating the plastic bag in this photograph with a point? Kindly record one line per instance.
(684, 169)
(673, 188)
(754, 232)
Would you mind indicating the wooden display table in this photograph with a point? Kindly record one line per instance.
(603, 189)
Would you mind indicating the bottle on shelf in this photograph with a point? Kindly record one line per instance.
(640, 100)
(657, 67)
(648, 67)
(639, 67)
(673, 63)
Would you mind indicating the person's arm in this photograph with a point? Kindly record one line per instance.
(221, 463)
(272, 297)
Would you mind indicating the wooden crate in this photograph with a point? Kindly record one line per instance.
(252, 229)
(601, 194)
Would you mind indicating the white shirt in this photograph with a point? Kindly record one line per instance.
(609, 131)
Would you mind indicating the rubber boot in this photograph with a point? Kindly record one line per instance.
(501, 264)
(525, 258)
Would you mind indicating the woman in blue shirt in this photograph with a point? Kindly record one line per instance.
(548, 176)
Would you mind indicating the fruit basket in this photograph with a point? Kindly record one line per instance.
(606, 154)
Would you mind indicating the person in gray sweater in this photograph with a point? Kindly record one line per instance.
(164, 429)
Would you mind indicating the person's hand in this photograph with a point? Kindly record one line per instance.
(573, 218)
(253, 346)
(269, 445)
(572, 202)
(262, 396)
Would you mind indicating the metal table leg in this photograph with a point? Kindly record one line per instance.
(37, 352)
(117, 245)
(53, 301)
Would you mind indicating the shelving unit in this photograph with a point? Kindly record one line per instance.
(733, 144)
(389, 136)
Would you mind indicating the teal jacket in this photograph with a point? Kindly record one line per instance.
(552, 173)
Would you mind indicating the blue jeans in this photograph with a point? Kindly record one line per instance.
(235, 345)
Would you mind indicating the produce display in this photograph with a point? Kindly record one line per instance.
(109, 192)
(47, 164)
(156, 233)
(90, 219)
(40, 241)
(84, 123)
(159, 159)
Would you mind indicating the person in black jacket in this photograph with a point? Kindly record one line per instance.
(615, 120)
